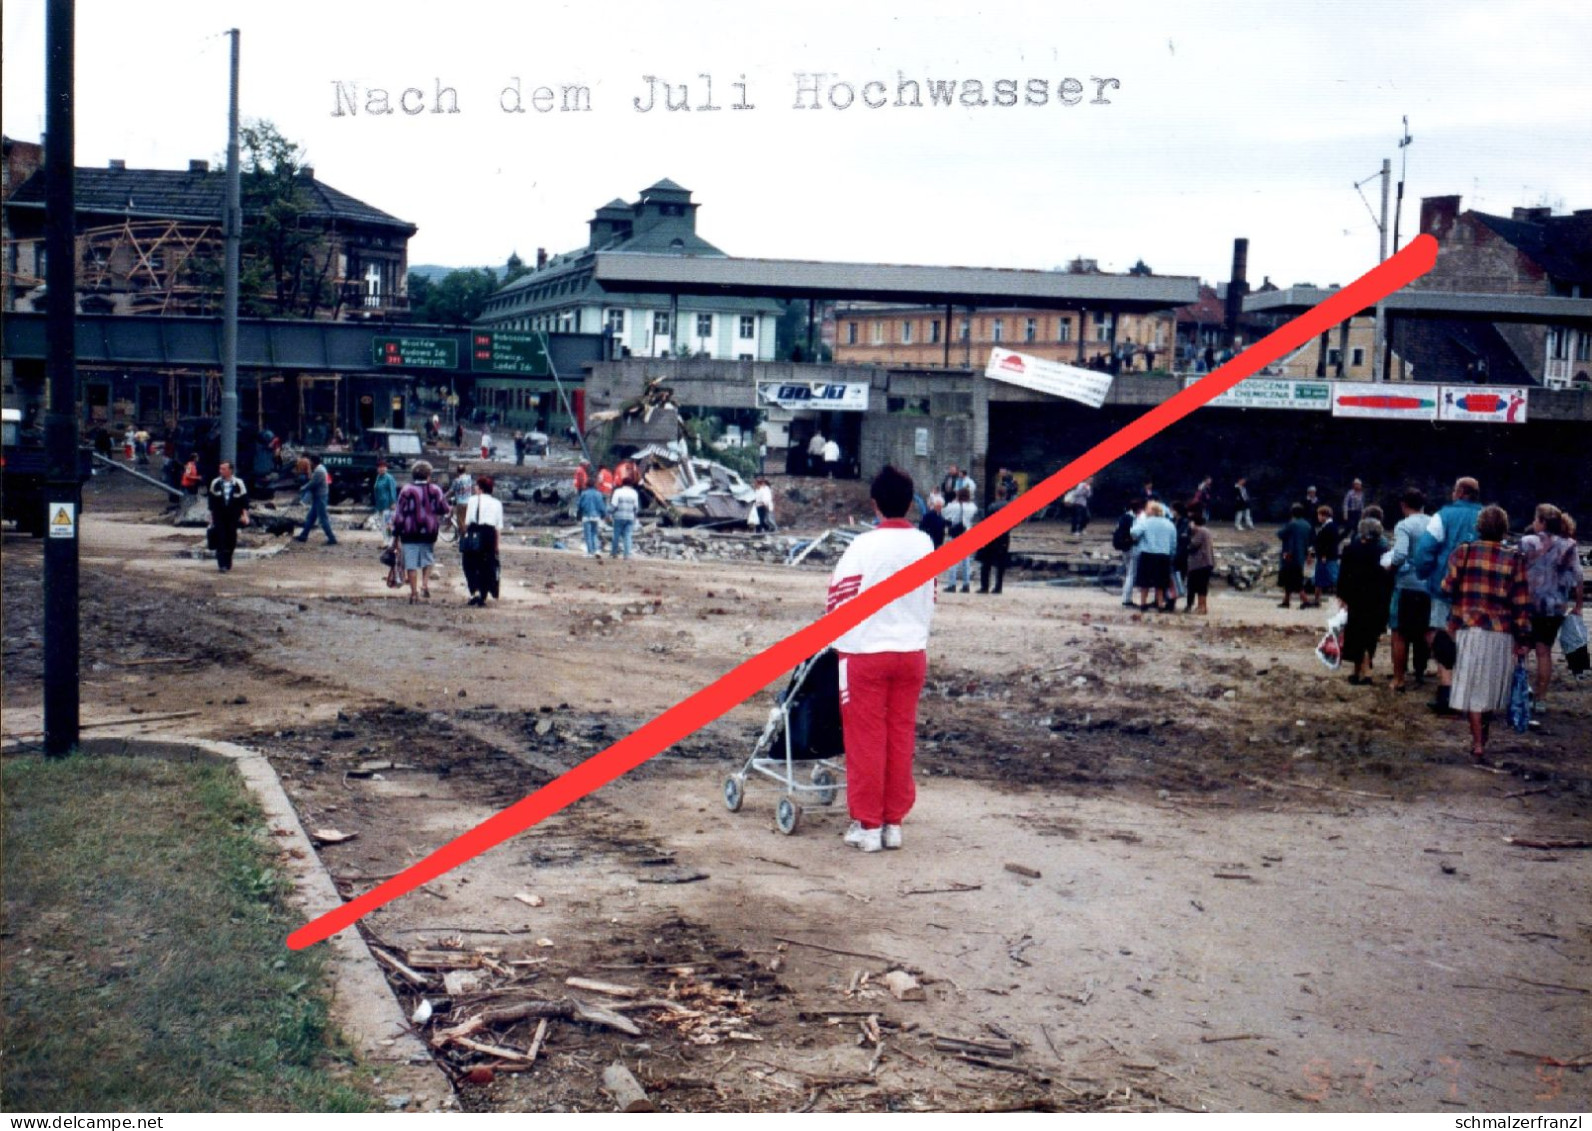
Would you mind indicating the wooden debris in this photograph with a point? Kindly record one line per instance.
(493, 1050)
(1003, 1049)
(675, 877)
(903, 986)
(626, 1089)
(1234, 1037)
(536, 1041)
(529, 900)
(599, 1016)
(596, 987)
(955, 887)
(1548, 845)
(1023, 870)
(830, 949)
(1232, 875)
(330, 836)
(419, 981)
(442, 959)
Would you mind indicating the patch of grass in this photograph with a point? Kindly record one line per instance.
(142, 962)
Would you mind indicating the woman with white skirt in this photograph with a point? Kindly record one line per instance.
(1490, 620)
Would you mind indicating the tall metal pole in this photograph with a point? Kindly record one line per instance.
(62, 492)
(1378, 372)
(1398, 211)
(232, 233)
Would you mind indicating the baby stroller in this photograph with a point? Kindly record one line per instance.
(805, 721)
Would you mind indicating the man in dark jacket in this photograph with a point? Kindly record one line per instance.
(994, 555)
(229, 509)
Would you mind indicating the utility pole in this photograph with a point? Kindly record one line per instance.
(1398, 211)
(1378, 370)
(232, 233)
(63, 494)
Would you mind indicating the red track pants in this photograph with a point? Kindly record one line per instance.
(879, 710)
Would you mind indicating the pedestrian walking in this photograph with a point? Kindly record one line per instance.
(460, 492)
(422, 506)
(383, 494)
(1365, 589)
(478, 543)
(1354, 507)
(883, 662)
(959, 518)
(229, 509)
(994, 555)
(1122, 540)
(623, 507)
(1451, 527)
(1490, 620)
(1201, 563)
(1242, 520)
(317, 492)
(1295, 537)
(1553, 572)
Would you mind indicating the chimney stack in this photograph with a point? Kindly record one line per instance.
(197, 166)
(1237, 288)
(1438, 214)
(541, 258)
(117, 163)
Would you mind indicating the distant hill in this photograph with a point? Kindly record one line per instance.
(435, 274)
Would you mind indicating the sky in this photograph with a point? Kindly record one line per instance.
(1226, 119)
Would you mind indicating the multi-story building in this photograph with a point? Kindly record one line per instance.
(561, 295)
(149, 242)
(1530, 252)
(917, 337)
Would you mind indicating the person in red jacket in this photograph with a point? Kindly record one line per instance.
(883, 662)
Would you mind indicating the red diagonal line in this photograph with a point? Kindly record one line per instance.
(746, 679)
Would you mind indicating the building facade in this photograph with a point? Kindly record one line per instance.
(920, 337)
(561, 295)
(1529, 252)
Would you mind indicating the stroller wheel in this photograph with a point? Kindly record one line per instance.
(787, 815)
(734, 793)
(824, 780)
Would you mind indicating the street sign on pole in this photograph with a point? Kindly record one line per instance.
(501, 351)
(415, 353)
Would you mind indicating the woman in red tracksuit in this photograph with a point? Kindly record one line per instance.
(882, 666)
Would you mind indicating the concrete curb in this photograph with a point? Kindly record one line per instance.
(363, 1005)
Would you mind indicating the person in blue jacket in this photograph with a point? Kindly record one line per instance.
(1450, 528)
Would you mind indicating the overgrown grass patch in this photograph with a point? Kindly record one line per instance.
(142, 962)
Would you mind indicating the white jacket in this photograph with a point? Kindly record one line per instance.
(903, 624)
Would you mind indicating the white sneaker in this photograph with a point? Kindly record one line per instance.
(891, 836)
(869, 840)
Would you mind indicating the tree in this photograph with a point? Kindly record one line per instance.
(457, 300)
(286, 255)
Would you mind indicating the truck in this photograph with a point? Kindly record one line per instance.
(353, 471)
(25, 463)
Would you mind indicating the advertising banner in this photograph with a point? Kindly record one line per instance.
(816, 396)
(1383, 401)
(1487, 404)
(1274, 392)
(1051, 377)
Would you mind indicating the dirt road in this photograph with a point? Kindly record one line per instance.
(1257, 887)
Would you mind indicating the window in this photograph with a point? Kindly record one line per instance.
(1334, 356)
(616, 321)
(1357, 356)
(1583, 346)
(876, 335)
(934, 331)
(1558, 344)
(744, 357)
(1031, 330)
(999, 332)
(906, 333)
(748, 327)
(704, 325)
(660, 323)
(1102, 328)
(1063, 330)
(966, 329)
(851, 333)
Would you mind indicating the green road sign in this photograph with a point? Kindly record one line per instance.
(415, 353)
(497, 351)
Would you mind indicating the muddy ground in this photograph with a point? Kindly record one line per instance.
(1241, 883)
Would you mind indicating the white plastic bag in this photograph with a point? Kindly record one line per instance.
(1572, 634)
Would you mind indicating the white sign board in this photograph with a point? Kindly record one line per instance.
(1378, 399)
(1269, 392)
(815, 396)
(1051, 377)
(62, 520)
(1491, 404)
